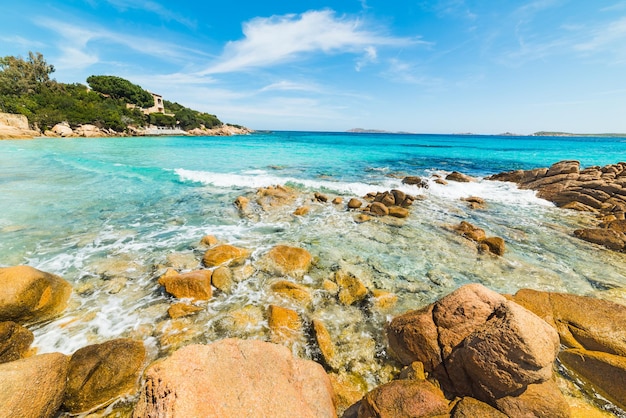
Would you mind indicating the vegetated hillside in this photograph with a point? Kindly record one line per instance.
(109, 102)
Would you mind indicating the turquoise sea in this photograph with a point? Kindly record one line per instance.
(111, 214)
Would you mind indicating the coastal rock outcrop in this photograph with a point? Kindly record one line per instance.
(33, 387)
(476, 343)
(595, 189)
(13, 126)
(593, 331)
(30, 295)
(235, 378)
(102, 372)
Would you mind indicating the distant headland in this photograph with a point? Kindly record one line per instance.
(34, 105)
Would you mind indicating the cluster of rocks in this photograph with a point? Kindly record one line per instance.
(494, 245)
(41, 385)
(472, 353)
(601, 190)
(15, 127)
(393, 203)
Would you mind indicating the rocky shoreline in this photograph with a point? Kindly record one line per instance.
(16, 127)
(473, 352)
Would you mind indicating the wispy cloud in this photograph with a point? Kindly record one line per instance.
(22, 42)
(611, 35)
(77, 53)
(285, 85)
(152, 7)
(280, 39)
(405, 72)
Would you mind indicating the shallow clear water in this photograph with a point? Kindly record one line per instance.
(109, 215)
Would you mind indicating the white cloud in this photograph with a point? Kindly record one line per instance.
(22, 42)
(285, 85)
(153, 7)
(77, 51)
(279, 39)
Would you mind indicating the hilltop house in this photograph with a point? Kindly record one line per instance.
(158, 106)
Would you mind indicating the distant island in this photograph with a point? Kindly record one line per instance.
(32, 104)
(605, 135)
(375, 131)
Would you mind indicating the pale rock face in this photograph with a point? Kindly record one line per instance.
(235, 378)
(63, 130)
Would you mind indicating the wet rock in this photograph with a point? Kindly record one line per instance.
(301, 211)
(416, 181)
(351, 289)
(225, 254)
(473, 408)
(324, 343)
(581, 321)
(383, 300)
(337, 201)
(441, 181)
(288, 261)
(379, 209)
(222, 279)
(476, 343)
(386, 198)
(285, 325)
(30, 295)
(195, 284)
(209, 240)
(348, 389)
(100, 373)
(470, 231)
(320, 197)
(354, 203)
(459, 177)
(274, 197)
(361, 218)
(475, 202)
(242, 203)
(33, 387)
(398, 212)
(15, 341)
(294, 291)
(543, 400)
(609, 238)
(209, 380)
(494, 245)
(404, 399)
(180, 310)
(606, 372)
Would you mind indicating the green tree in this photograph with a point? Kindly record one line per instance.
(19, 76)
(119, 88)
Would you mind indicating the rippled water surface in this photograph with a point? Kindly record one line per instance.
(110, 215)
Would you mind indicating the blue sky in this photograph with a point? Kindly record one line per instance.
(447, 66)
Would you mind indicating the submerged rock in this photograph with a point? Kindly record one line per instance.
(285, 325)
(195, 284)
(29, 295)
(225, 254)
(287, 261)
(235, 378)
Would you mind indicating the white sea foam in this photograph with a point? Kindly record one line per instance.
(262, 179)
